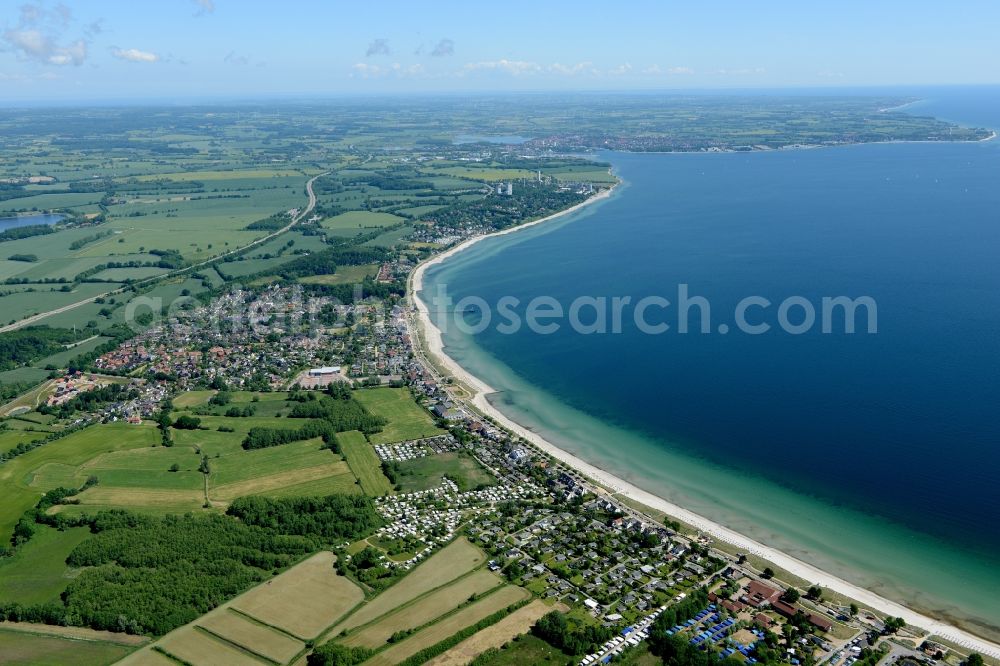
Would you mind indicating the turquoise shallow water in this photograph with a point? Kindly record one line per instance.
(873, 456)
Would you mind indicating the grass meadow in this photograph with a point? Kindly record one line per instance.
(364, 463)
(20, 648)
(407, 419)
(429, 471)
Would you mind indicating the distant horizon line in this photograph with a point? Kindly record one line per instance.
(248, 98)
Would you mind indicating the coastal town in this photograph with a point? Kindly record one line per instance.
(231, 431)
(543, 525)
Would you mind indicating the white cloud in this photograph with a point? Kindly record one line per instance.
(741, 72)
(134, 55)
(572, 70)
(38, 36)
(31, 43)
(513, 67)
(620, 70)
(366, 70)
(35, 45)
(410, 70)
(656, 70)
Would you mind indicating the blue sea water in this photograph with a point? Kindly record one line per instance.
(26, 220)
(874, 455)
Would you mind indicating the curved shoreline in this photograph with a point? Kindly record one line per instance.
(428, 340)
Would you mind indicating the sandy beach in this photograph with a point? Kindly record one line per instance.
(429, 338)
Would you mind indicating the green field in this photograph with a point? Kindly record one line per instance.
(26, 303)
(11, 438)
(134, 472)
(428, 472)
(62, 358)
(392, 238)
(344, 275)
(192, 399)
(123, 274)
(419, 211)
(364, 463)
(580, 173)
(264, 404)
(173, 182)
(26, 649)
(25, 478)
(407, 419)
(199, 213)
(483, 173)
(224, 175)
(235, 270)
(345, 483)
(37, 572)
(360, 220)
(264, 471)
(23, 375)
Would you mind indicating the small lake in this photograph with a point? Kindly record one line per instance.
(26, 220)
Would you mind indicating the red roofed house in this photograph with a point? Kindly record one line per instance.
(759, 594)
(788, 610)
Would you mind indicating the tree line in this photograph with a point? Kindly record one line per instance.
(260, 437)
(573, 638)
(330, 519)
(342, 414)
(27, 231)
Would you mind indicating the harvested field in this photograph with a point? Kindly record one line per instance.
(448, 626)
(304, 600)
(425, 609)
(198, 648)
(452, 561)
(251, 636)
(141, 498)
(341, 483)
(78, 633)
(517, 623)
(272, 482)
(147, 658)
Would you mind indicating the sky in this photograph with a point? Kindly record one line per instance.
(113, 50)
